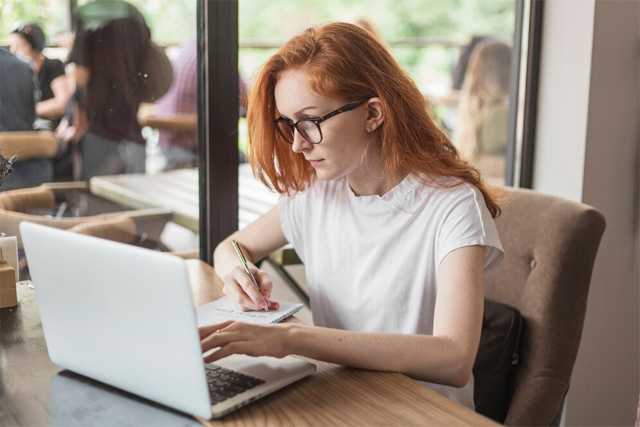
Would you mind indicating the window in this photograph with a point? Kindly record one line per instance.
(471, 59)
(130, 123)
(474, 61)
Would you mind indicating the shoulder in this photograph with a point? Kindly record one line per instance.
(53, 67)
(443, 192)
(461, 196)
(445, 200)
(11, 61)
(465, 220)
(459, 190)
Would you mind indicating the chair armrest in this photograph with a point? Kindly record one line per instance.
(118, 229)
(29, 145)
(24, 199)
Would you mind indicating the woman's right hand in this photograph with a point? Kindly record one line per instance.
(239, 287)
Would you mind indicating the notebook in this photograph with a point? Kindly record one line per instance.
(124, 316)
(224, 309)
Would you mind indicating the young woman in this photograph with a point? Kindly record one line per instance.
(395, 230)
(484, 102)
(29, 41)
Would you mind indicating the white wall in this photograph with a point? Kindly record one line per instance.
(563, 97)
(587, 148)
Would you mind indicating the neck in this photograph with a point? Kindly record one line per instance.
(368, 179)
(38, 60)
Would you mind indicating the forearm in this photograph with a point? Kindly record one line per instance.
(177, 123)
(225, 258)
(427, 358)
(257, 241)
(51, 108)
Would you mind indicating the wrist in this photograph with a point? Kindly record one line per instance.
(293, 338)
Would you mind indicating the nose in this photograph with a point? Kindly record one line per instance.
(299, 143)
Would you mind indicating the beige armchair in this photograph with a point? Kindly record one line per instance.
(550, 247)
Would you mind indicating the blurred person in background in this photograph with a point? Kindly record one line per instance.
(180, 105)
(19, 93)
(178, 108)
(117, 67)
(484, 102)
(367, 24)
(28, 40)
(459, 71)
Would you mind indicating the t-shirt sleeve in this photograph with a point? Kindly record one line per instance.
(469, 223)
(57, 69)
(291, 219)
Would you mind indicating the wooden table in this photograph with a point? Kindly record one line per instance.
(178, 190)
(36, 392)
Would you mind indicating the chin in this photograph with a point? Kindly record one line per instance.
(326, 176)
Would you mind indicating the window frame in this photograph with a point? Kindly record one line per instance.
(218, 104)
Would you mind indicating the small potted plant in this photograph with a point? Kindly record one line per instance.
(6, 166)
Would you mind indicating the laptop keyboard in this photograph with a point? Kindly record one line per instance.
(225, 383)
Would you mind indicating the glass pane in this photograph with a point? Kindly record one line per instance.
(117, 101)
(457, 52)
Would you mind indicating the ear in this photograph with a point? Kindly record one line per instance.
(375, 114)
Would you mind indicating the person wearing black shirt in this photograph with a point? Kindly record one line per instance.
(29, 41)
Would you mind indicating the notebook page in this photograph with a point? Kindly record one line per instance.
(224, 309)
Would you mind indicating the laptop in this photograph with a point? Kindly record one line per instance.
(124, 316)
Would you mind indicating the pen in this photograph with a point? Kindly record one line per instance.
(243, 261)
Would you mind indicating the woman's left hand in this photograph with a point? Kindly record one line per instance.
(244, 338)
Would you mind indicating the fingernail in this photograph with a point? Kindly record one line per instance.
(267, 294)
(263, 304)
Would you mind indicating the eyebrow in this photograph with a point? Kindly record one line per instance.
(300, 111)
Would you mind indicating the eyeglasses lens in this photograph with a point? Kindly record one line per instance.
(285, 131)
(307, 129)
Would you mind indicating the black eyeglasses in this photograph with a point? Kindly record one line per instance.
(309, 128)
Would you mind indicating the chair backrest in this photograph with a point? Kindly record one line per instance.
(550, 247)
(28, 145)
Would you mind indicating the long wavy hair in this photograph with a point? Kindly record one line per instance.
(485, 87)
(345, 62)
(114, 52)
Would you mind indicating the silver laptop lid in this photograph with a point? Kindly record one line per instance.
(119, 314)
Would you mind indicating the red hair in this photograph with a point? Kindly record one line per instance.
(345, 62)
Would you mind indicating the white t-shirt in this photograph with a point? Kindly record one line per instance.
(371, 262)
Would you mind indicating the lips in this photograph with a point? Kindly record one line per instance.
(315, 163)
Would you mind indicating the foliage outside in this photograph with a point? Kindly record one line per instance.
(444, 25)
(173, 22)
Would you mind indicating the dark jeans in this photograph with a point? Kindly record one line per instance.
(101, 156)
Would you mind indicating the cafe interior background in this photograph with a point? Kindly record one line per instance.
(561, 78)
